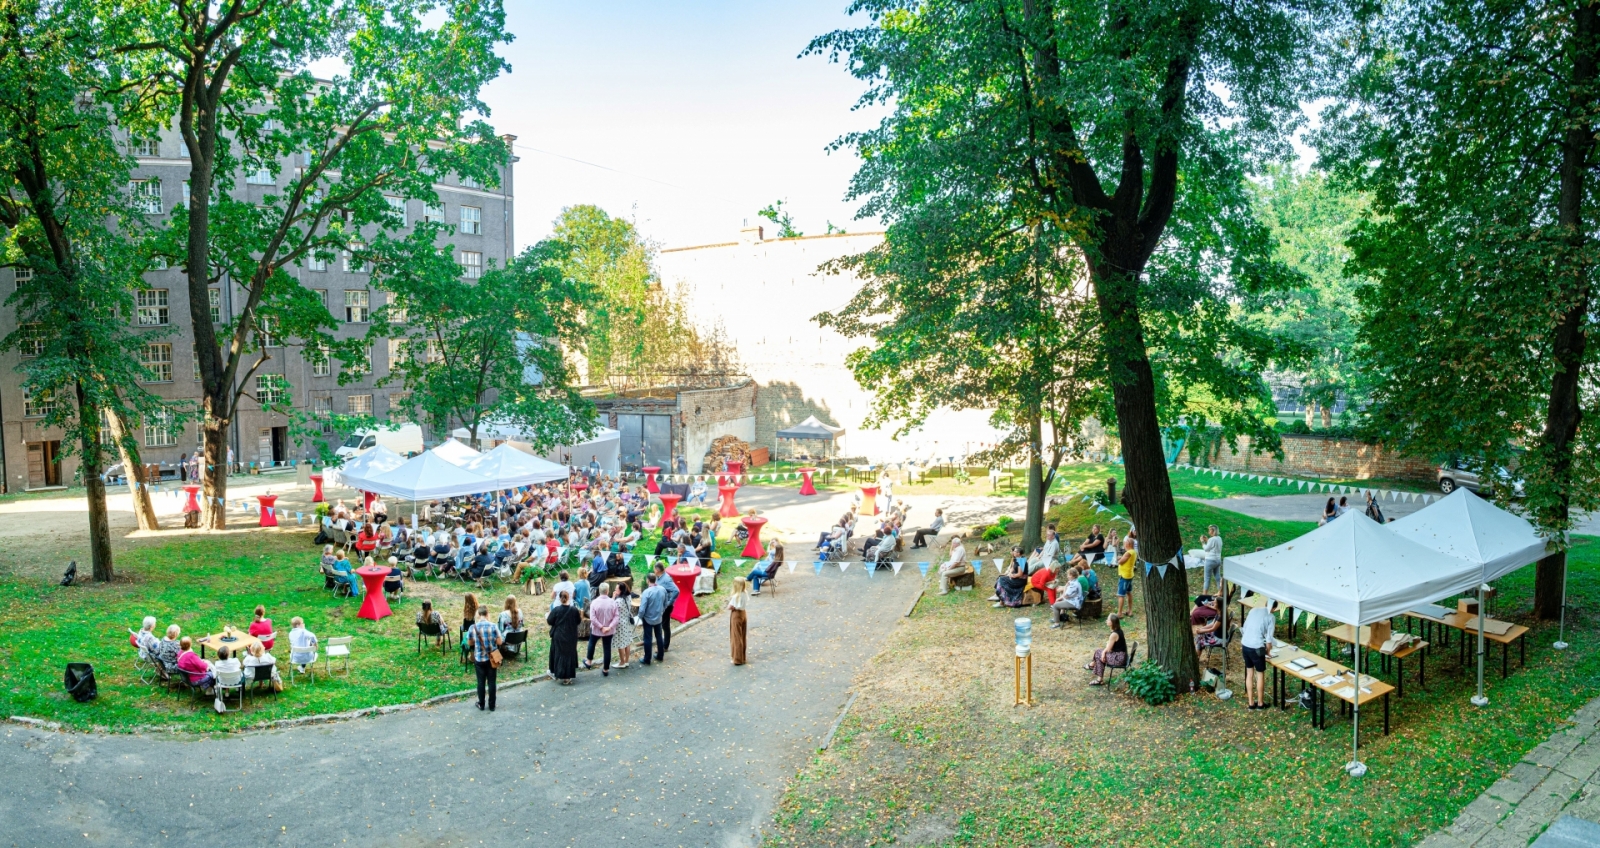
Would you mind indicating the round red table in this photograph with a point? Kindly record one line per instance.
(753, 523)
(193, 503)
(869, 500)
(806, 488)
(269, 516)
(670, 501)
(650, 472)
(316, 492)
(684, 576)
(727, 491)
(735, 468)
(580, 487)
(375, 605)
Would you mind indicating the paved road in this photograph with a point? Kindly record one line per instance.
(692, 752)
(1300, 507)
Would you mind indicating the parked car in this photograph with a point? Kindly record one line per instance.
(1457, 473)
(404, 440)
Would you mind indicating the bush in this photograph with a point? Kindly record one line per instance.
(1299, 427)
(1103, 498)
(1004, 522)
(992, 532)
(1151, 683)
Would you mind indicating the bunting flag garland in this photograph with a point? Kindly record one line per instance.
(977, 566)
(896, 565)
(871, 568)
(791, 563)
(818, 565)
(923, 567)
(843, 567)
(626, 557)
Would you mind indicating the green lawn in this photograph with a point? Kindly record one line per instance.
(933, 751)
(202, 583)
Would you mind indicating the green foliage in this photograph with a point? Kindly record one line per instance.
(1150, 683)
(992, 532)
(1004, 521)
(1298, 427)
(775, 213)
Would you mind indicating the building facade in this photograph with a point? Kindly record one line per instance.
(482, 218)
(765, 293)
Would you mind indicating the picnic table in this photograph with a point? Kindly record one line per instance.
(1345, 633)
(238, 641)
(1495, 632)
(1324, 678)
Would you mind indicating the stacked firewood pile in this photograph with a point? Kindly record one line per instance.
(727, 449)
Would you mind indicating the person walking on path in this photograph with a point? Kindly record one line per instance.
(603, 618)
(737, 619)
(485, 638)
(563, 619)
(652, 610)
(670, 587)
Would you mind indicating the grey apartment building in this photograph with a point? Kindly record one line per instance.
(30, 453)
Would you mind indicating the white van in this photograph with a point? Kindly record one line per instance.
(404, 440)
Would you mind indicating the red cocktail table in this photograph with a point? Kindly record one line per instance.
(269, 516)
(806, 488)
(869, 500)
(684, 576)
(375, 605)
(670, 501)
(316, 492)
(193, 503)
(728, 509)
(735, 468)
(366, 500)
(650, 472)
(753, 523)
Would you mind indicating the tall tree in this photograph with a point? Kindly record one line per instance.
(610, 257)
(397, 117)
(1472, 123)
(68, 221)
(1106, 125)
(491, 349)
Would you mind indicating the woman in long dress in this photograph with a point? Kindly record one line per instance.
(737, 620)
(623, 639)
(563, 620)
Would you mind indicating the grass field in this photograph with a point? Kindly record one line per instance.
(933, 752)
(202, 583)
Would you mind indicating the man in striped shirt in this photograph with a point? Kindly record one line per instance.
(484, 637)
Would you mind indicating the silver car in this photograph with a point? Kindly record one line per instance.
(1455, 474)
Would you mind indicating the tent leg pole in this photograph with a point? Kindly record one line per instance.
(1561, 640)
(1479, 700)
(1223, 692)
(1356, 768)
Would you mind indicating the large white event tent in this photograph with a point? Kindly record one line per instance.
(455, 452)
(370, 464)
(509, 468)
(1494, 541)
(1356, 571)
(429, 476)
(605, 445)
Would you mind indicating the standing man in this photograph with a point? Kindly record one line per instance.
(670, 587)
(1256, 638)
(485, 638)
(594, 467)
(652, 607)
(603, 617)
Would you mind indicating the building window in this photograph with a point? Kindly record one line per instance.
(32, 336)
(37, 405)
(183, 199)
(356, 306)
(194, 354)
(265, 326)
(158, 361)
(322, 295)
(159, 432)
(152, 307)
(271, 389)
(435, 351)
(397, 352)
(353, 263)
(158, 263)
(397, 205)
(322, 408)
(316, 262)
(146, 195)
(362, 366)
(214, 300)
(261, 176)
(470, 182)
(471, 264)
(433, 214)
(24, 275)
(360, 404)
(147, 147)
(472, 220)
(321, 363)
(397, 311)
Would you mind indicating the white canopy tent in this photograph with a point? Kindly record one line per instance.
(1494, 541)
(429, 476)
(509, 468)
(605, 445)
(454, 452)
(370, 464)
(1355, 571)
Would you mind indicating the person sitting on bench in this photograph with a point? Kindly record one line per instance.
(1069, 601)
(1113, 655)
(1091, 549)
(956, 567)
(1008, 589)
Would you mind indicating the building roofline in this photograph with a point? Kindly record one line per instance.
(768, 241)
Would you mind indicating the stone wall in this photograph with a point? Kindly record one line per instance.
(1319, 456)
(709, 414)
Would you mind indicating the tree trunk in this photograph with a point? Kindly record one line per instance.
(1565, 411)
(1033, 525)
(1311, 413)
(93, 466)
(1147, 491)
(144, 510)
(214, 474)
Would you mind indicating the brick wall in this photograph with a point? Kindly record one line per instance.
(1318, 456)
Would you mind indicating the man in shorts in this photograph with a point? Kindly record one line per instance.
(1256, 638)
(1125, 567)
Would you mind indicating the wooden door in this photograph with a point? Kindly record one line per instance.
(35, 465)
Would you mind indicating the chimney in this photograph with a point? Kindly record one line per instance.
(750, 235)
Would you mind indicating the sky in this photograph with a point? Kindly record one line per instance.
(697, 113)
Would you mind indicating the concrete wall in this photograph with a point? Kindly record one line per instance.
(1319, 456)
(698, 416)
(764, 293)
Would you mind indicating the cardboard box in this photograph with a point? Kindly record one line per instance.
(1467, 606)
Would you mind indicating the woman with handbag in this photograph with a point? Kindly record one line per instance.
(737, 619)
(626, 634)
(563, 621)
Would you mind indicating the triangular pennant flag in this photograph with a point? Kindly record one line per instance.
(923, 567)
(999, 564)
(871, 570)
(1162, 570)
(1147, 567)
(791, 563)
(977, 566)
(896, 565)
(844, 566)
(818, 565)
(626, 557)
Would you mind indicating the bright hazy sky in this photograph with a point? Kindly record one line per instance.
(701, 105)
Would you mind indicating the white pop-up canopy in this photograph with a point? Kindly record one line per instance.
(369, 464)
(510, 468)
(1468, 527)
(428, 476)
(1352, 570)
(605, 446)
(455, 452)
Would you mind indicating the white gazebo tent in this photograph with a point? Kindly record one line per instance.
(510, 468)
(1352, 570)
(454, 452)
(426, 477)
(1494, 541)
(605, 446)
(370, 464)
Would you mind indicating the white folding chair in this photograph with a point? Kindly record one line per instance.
(338, 646)
(230, 681)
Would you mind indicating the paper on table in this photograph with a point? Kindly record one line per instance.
(1328, 681)
(1344, 692)
(1310, 673)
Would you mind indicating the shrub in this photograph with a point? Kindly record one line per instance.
(992, 532)
(1150, 683)
(1004, 521)
(322, 511)
(1299, 427)
(1103, 498)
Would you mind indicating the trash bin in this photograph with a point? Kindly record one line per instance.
(80, 682)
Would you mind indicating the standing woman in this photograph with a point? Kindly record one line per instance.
(737, 620)
(563, 620)
(625, 635)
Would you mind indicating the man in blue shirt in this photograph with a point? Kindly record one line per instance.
(652, 611)
(667, 584)
(484, 637)
(594, 467)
